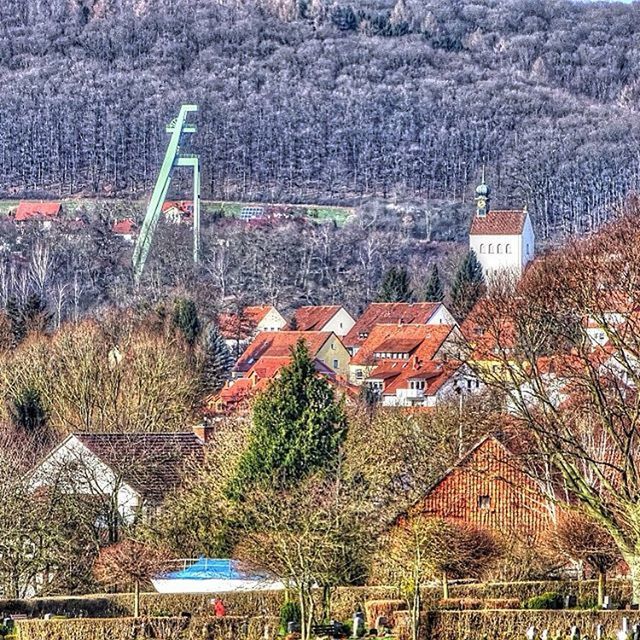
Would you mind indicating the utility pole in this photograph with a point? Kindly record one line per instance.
(172, 158)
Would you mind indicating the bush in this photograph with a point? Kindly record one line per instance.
(289, 612)
(502, 603)
(548, 600)
(387, 608)
(460, 604)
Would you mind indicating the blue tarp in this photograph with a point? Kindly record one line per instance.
(214, 569)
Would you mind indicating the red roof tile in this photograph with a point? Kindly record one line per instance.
(314, 318)
(124, 227)
(278, 344)
(243, 325)
(184, 206)
(389, 313)
(37, 211)
(499, 223)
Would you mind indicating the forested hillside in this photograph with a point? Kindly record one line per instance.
(328, 100)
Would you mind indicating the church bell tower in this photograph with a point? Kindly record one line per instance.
(482, 198)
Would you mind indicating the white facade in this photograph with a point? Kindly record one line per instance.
(442, 315)
(272, 321)
(340, 324)
(500, 253)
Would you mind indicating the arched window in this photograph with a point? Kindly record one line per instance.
(490, 248)
(507, 248)
(482, 248)
(499, 249)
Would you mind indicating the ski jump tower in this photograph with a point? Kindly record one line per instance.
(172, 158)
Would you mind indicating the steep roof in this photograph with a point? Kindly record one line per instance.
(242, 325)
(421, 341)
(278, 344)
(124, 227)
(37, 210)
(397, 375)
(314, 318)
(389, 313)
(499, 223)
(151, 463)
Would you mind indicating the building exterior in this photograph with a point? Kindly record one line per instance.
(332, 318)
(323, 346)
(43, 212)
(178, 211)
(503, 240)
(489, 488)
(125, 229)
(238, 329)
(402, 313)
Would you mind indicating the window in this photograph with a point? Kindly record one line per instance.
(482, 248)
(484, 502)
(490, 248)
(416, 384)
(336, 363)
(359, 374)
(507, 248)
(499, 249)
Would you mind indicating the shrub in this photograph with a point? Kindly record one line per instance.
(502, 603)
(289, 612)
(548, 600)
(460, 604)
(387, 608)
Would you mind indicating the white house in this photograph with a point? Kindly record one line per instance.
(332, 318)
(503, 240)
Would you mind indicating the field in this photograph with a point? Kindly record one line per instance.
(136, 208)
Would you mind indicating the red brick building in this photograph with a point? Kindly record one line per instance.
(489, 488)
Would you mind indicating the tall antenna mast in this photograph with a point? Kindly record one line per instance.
(172, 158)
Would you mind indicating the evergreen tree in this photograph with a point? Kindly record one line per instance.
(35, 313)
(185, 319)
(217, 361)
(27, 412)
(395, 286)
(468, 286)
(434, 291)
(298, 428)
(16, 320)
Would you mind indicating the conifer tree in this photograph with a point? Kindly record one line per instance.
(217, 361)
(185, 319)
(298, 427)
(434, 291)
(395, 286)
(35, 313)
(16, 320)
(468, 286)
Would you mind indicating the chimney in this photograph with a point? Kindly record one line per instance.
(204, 432)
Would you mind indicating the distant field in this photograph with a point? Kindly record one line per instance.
(231, 209)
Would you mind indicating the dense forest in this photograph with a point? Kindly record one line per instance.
(328, 100)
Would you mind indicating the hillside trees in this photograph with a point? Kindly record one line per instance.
(468, 286)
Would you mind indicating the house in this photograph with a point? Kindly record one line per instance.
(239, 328)
(503, 240)
(125, 229)
(389, 344)
(128, 473)
(490, 488)
(177, 211)
(432, 313)
(42, 212)
(323, 346)
(332, 318)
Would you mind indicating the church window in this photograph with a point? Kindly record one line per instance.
(482, 248)
(507, 248)
(499, 249)
(490, 248)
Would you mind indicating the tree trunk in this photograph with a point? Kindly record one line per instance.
(415, 614)
(445, 585)
(136, 599)
(602, 586)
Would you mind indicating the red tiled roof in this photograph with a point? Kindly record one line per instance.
(278, 344)
(233, 325)
(37, 211)
(124, 227)
(389, 313)
(499, 223)
(151, 463)
(314, 318)
(396, 375)
(423, 340)
(184, 206)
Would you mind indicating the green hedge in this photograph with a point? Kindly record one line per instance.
(512, 625)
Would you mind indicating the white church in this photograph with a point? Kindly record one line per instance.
(502, 240)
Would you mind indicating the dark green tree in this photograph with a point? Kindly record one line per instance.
(35, 313)
(28, 414)
(217, 361)
(16, 320)
(185, 319)
(468, 286)
(434, 291)
(298, 427)
(395, 286)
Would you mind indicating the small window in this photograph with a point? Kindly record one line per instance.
(482, 248)
(336, 364)
(507, 248)
(499, 249)
(490, 248)
(359, 374)
(484, 502)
